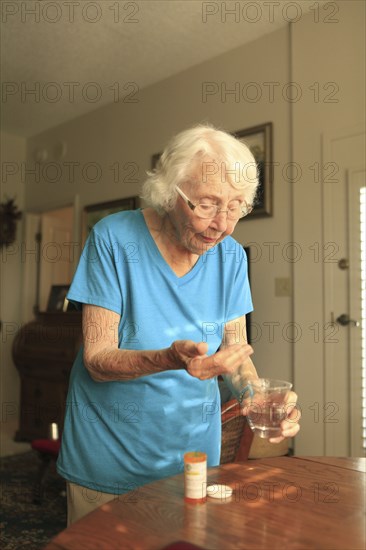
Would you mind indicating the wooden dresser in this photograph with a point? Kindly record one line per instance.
(44, 351)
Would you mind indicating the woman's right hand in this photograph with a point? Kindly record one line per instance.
(192, 356)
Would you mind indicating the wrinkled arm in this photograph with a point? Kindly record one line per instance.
(235, 332)
(102, 358)
(105, 362)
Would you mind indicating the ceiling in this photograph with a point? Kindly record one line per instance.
(60, 60)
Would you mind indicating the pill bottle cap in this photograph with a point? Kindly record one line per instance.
(195, 456)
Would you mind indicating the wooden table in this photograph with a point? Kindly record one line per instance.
(296, 503)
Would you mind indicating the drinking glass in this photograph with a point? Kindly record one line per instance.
(267, 407)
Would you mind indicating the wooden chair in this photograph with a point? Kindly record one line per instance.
(237, 436)
(48, 450)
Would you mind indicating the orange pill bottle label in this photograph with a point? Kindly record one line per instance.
(195, 477)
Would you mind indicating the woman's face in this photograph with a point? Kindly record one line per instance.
(198, 235)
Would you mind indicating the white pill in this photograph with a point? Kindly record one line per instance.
(219, 491)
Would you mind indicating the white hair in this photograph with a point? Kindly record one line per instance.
(218, 152)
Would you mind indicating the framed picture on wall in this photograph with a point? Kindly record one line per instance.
(259, 141)
(95, 212)
(57, 300)
(248, 315)
(154, 160)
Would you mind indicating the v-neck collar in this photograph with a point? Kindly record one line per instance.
(163, 264)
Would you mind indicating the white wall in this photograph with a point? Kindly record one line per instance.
(13, 152)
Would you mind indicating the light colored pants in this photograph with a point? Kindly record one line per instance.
(81, 501)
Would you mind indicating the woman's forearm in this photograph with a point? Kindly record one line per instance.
(105, 361)
(112, 364)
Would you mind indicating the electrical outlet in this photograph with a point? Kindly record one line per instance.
(283, 286)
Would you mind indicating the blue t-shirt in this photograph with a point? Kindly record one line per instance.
(120, 435)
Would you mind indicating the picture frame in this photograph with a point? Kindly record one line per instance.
(93, 213)
(259, 139)
(57, 300)
(154, 160)
(248, 315)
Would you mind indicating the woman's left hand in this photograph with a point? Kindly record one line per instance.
(290, 426)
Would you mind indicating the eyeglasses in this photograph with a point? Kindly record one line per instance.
(209, 211)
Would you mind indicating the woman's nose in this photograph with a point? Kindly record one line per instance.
(220, 220)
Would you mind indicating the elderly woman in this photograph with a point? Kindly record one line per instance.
(161, 290)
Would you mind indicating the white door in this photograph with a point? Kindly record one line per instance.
(357, 309)
(56, 262)
(343, 354)
(30, 266)
(57, 256)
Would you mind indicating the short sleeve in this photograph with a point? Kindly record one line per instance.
(96, 279)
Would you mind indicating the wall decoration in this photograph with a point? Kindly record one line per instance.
(259, 141)
(9, 215)
(57, 300)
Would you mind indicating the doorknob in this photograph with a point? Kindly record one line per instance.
(344, 320)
